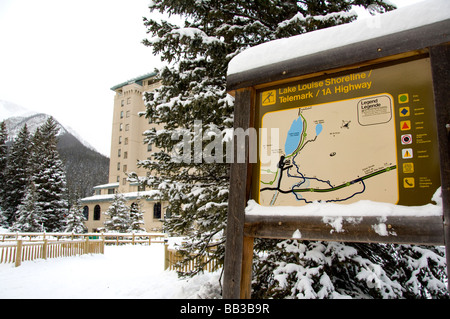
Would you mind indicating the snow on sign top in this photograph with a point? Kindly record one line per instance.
(406, 18)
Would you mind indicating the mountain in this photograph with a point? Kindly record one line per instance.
(85, 167)
(9, 109)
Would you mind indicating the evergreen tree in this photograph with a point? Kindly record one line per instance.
(194, 108)
(119, 215)
(29, 217)
(17, 174)
(49, 176)
(136, 218)
(75, 220)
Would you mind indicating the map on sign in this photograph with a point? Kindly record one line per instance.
(344, 151)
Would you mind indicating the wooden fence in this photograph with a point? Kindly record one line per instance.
(173, 257)
(18, 247)
(20, 250)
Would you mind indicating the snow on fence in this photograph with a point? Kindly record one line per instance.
(18, 251)
(18, 247)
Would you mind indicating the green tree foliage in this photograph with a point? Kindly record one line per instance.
(16, 174)
(194, 89)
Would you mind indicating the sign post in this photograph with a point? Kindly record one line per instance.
(367, 121)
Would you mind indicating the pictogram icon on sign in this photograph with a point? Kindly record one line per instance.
(404, 111)
(406, 139)
(407, 153)
(409, 182)
(269, 97)
(405, 125)
(403, 98)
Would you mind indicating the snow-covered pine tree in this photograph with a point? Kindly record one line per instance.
(75, 220)
(119, 216)
(17, 174)
(48, 174)
(194, 89)
(136, 217)
(29, 217)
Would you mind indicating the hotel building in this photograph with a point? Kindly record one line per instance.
(127, 147)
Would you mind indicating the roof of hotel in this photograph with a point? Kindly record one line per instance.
(137, 80)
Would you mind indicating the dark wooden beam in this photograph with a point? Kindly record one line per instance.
(440, 67)
(366, 229)
(237, 200)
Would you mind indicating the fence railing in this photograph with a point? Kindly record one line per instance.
(18, 247)
(173, 259)
(18, 251)
(108, 238)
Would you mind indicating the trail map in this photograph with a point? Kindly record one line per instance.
(343, 151)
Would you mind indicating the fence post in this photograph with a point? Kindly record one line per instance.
(86, 246)
(132, 240)
(19, 253)
(166, 254)
(44, 249)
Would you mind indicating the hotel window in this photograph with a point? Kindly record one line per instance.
(97, 212)
(119, 152)
(125, 155)
(129, 100)
(128, 113)
(124, 181)
(120, 139)
(122, 103)
(121, 114)
(125, 168)
(127, 127)
(149, 147)
(118, 166)
(157, 211)
(86, 212)
(126, 140)
(121, 127)
(118, 179)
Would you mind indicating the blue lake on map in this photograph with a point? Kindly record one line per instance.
(319, 128)
(293, 136)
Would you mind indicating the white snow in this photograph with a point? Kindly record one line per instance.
(406, 18)
(332, 211)
(122, 272)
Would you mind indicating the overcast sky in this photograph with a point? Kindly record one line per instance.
(62, 57)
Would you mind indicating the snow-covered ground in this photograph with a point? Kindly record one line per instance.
(122, 272)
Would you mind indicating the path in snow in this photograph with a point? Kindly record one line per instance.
(122, 272)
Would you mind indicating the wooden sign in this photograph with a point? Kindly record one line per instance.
(367, 121)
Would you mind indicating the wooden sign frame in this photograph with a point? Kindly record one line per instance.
(432, 41)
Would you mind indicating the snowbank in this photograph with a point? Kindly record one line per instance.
(406, 18)
(122, 272)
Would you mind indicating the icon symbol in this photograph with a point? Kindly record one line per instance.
(403, 98)
(269, 97)
(405, 111)
(406, 139)
(405, 125)
(409, 182)
(408, 168)
(407, 153)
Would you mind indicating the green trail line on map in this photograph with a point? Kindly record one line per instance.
(275, 178)
(325, 190)
(303, 137)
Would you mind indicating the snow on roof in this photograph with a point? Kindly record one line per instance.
(149, 195)
(406, 18)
